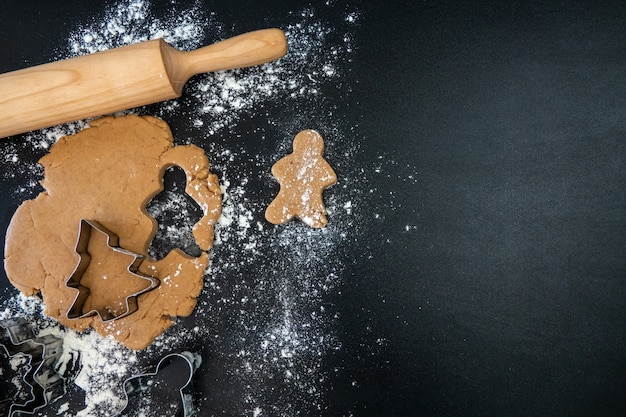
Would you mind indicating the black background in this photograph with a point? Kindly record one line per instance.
(509, 297)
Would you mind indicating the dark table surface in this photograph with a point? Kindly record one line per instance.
(486, 271)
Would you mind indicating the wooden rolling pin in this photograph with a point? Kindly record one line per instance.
(121, 78)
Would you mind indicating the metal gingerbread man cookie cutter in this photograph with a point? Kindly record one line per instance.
(168, 389)
(87, 230)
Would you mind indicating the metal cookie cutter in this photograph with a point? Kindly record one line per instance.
(165, 392)
(87, 230)
(40, 356)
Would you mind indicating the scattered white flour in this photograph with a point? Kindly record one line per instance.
(104, 361)
(129, 22)
(264, 312)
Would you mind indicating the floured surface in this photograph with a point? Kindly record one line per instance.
(474, 235)
(108, 173)
(267, 317)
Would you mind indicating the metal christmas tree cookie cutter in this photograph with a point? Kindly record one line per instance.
(41, 379)
(87, 229)
(169, 388)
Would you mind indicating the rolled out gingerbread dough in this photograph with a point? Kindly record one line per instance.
(108, 173)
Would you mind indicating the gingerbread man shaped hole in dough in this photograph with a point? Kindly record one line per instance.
(303, 175)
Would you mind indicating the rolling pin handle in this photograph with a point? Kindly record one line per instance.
(245, 50)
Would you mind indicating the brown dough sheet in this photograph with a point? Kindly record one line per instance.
(108, 173)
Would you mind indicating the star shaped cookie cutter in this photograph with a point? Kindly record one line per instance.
(86, 231)
(169, 385)
(41, 356)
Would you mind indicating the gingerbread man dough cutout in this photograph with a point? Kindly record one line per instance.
(303, 175)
